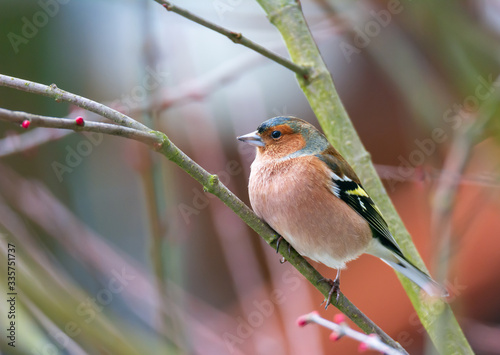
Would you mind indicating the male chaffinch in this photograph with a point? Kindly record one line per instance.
(308, 193)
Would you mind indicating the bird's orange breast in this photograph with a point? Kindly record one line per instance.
(294, 197)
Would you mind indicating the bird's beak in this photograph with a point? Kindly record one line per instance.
(253, 139)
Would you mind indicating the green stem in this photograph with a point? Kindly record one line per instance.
(320, 91)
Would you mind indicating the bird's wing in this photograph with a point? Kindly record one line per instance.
(349, 190)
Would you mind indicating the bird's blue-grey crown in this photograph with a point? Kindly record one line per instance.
(316, 142)
(293, 122)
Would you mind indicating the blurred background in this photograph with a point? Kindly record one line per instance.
(118, 251)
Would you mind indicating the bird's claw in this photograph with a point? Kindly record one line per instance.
(280, 238)
(335, 288)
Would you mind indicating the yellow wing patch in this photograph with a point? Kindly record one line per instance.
(357, 192)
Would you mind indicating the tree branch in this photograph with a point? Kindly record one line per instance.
(89, 126)
(339, 329)
(159, 142)
(60, 95)
(237, 38)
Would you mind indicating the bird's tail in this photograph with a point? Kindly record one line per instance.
(424, 281)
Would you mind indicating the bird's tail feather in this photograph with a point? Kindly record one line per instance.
(424, 281)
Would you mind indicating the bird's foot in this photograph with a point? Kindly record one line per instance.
(280, 239)
(283, 260)
(335, 288)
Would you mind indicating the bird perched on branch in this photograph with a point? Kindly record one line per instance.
(308, 193)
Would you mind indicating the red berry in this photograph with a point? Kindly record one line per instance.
(79, 121)
(339, 318)
(363, 347)
(303, 320)
(334, 336)
(25, 124)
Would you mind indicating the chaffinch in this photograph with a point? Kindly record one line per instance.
(308, 193)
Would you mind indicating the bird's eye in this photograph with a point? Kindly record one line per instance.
(276, 134)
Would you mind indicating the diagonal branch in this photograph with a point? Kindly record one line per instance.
(237, 38)
(160, 143)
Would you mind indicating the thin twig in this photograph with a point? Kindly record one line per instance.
(237, 38)
(207, 83)
(89, 126)
(60, 95)
(160, 142)
(371, 341)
